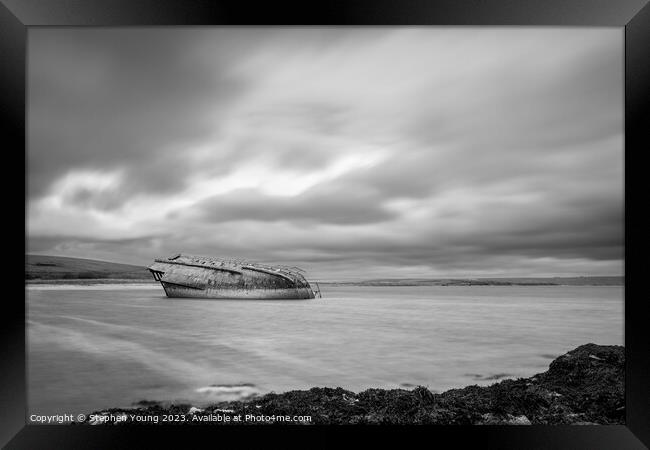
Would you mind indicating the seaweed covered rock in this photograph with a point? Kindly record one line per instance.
(591, 381)
(329, 405)
(584, 386)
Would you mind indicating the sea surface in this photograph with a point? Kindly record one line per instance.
(93, 347)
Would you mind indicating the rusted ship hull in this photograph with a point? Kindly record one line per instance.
(184, 276)
(175, 291)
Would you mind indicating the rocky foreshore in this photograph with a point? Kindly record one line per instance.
(583, 387)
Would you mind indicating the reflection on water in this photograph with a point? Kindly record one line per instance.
(91, 348)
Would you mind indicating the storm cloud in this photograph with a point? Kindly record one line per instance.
(354, 152)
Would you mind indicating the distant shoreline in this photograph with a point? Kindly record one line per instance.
(375, 283)
(587, 281)
(90, 281)
(63, 270)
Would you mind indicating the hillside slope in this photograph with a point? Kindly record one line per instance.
(39, 267)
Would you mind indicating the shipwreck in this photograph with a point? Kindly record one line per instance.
(207, 277)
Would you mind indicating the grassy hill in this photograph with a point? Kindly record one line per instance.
(38, 267)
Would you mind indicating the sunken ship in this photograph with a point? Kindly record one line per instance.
(207, 277)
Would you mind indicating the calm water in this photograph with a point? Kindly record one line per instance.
(108, 346)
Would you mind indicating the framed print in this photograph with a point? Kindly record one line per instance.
(359, 217)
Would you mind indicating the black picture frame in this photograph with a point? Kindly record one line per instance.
(17, 16)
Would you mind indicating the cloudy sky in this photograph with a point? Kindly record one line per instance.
(355, 153)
